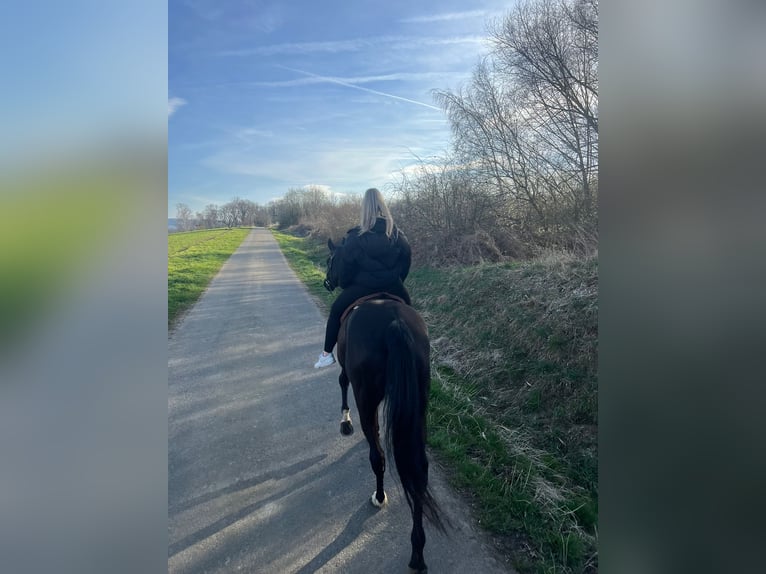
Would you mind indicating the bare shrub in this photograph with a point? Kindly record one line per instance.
(510, 245)
(479, 247)
(334, 219)
(450, 215)
(301, 230)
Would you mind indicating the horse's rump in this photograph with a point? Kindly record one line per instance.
(378, 295)
(366, 321)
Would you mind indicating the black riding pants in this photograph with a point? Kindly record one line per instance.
(346, 298)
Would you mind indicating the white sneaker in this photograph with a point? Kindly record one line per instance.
(324, 361)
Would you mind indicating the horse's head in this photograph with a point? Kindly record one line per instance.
(331, 278)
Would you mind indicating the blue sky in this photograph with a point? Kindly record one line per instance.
(267, 95)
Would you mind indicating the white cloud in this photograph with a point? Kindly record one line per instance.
(337, 164)
(266, 18)
(396, 77)
(251, 135)
(349, 85)
(301, 48)
(174, 104)
(445, 17)
(355, 45)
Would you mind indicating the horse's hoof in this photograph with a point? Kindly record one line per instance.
(421, 570)
(346, 428)
(375, 502)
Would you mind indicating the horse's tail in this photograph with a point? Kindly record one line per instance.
(405, 416)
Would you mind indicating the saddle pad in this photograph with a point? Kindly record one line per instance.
(379, 295)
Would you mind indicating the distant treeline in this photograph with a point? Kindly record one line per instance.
(237, 213)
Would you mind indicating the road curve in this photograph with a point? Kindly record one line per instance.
(259, 478)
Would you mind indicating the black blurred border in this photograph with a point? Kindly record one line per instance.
(683, 94)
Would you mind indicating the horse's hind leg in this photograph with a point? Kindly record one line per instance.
(369, 420)
(418, 539)
(346, 428)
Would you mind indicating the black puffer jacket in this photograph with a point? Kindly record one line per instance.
(374, 260)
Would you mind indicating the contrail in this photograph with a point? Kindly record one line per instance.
(334, 81)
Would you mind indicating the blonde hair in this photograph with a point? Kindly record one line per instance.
(373, 207)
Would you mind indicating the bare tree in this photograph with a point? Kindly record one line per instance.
(449, 214)
(314, 200)
(184, 216)
(211, 216)
(261, 215)
(550, 50)
(445, 197)
(244, 211)
(288, 210)
(335, 216)
(528, 121)
(228, 214)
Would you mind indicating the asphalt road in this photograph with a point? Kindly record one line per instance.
(260, 478)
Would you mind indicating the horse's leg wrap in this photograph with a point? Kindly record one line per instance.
(375, 502)
(346, 428)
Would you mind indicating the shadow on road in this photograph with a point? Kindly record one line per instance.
(294, 486)
(250, 482)
(352, 531)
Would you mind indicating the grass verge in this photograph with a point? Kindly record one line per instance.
(194, 257)
(307, 259)
(513, 409)
(515, 354)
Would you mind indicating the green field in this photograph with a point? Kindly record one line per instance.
(194, 257)
(513, 412)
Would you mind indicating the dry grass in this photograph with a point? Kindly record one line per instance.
(519, 345)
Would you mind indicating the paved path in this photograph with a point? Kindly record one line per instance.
(260, 478)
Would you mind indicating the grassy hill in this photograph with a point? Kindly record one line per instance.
(515, 406)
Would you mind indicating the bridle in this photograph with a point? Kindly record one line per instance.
(328, 284)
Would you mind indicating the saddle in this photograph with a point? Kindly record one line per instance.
(379, 295)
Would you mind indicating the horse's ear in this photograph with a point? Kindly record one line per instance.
(330, 244)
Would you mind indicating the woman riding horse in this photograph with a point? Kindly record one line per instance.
(376, 257)
(384, 354)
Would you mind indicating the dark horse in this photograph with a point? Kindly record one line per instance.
(384, 351)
